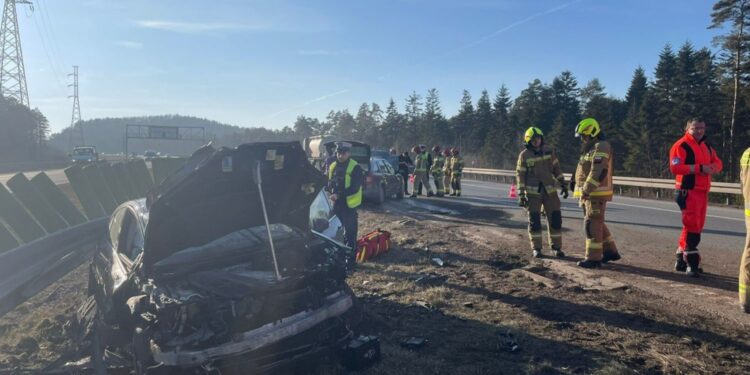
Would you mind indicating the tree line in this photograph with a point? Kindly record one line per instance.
(642, 126)
(23, 132)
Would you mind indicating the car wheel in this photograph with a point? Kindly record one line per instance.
(381, 195)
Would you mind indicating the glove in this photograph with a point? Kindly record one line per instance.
(523, 200)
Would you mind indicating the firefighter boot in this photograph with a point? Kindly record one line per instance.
(429, 193)
(537, 253)
(680, 265)
(693, 265)
(610, 257)
(558, 253)
(589, 264)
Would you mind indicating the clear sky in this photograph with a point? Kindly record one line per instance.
(263, 62)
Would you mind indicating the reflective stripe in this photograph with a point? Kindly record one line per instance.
(354, 200)
(747, 212)
(539, 158)
(521, 169)
(692, 252)
(602, 193)
(609, 239)
(594, 245)
(577, 194)
(743, 288)
(602, 154)
(555, 235)
(745, 160)
(560, 177)
(592, 181)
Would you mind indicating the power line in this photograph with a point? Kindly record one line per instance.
(76, 128)
(12, 71)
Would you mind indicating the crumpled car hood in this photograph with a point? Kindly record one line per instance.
(214, 194)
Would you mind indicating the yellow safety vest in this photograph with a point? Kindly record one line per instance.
(354, 200)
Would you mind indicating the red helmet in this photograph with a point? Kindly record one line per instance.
(436, 149)
(416, 149)
(455, 151)
(447, 152)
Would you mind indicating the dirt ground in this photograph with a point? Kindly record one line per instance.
(480, 312)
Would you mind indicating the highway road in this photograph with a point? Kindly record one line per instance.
(725, 227)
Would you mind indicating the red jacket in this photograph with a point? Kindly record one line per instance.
(685, 160)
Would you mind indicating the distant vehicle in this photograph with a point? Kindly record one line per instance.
(150, 155)
(84, 154)
(382, 181)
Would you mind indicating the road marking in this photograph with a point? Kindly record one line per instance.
(635, 206)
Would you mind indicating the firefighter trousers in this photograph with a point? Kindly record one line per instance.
(439, 188)
(447, 183)
(745, 268)
(456, 183)
(420, 178)
(693, 205)
(598, 238)
(551, 204)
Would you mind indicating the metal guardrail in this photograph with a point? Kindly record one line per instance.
(640, 182)
(43, 235)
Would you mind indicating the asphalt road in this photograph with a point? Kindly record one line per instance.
(725, 227)
(56, 175)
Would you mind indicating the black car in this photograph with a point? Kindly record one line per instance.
(188, 280)
(382, 182)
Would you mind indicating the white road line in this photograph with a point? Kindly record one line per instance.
(637, 206)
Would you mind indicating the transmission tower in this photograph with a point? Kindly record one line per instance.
(12, 72)
(76, 129)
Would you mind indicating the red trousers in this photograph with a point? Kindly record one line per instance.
(693, 205)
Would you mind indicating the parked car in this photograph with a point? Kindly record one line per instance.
(187, 281)
(382, 182)
(393, 159)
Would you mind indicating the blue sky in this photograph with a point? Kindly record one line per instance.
(263, 62)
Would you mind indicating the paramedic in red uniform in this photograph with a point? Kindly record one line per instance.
(692, 160)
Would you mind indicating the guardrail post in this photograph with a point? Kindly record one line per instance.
(17, 218)
(84, 192)
(36, 204)
(638, 189)
(57, 199)
(657, 193)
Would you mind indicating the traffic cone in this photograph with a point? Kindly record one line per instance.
(513, 193)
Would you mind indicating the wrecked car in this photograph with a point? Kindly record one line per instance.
(231, 264)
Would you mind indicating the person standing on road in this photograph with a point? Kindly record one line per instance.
(537, 174)
(692, 160)
(593, 186)
(457, 168)
(429, 166)
(744, 278)
(345, 180)
(404, 162)
(438, 163)
(447, 171)
(421, 169)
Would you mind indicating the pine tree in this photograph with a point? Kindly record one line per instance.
(566, 107)
(393, 126)
(483, 122)
(462, 122)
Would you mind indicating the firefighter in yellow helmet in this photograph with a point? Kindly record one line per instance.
(745, 262)
(538, 174)
(438, 162)
(593, 186)
(457, 167)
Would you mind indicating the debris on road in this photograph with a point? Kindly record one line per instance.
(414, 343)
(439, 262)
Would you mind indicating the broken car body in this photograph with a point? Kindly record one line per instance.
(188, 279)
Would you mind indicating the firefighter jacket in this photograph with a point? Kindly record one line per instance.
(594, 172)
(686, 159)
(447, 166)
(745, 179)
(457, 165)
(438, 163)
(538, 170)
(421, 163)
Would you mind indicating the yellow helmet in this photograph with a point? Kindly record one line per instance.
(531, 133)
(588, 126)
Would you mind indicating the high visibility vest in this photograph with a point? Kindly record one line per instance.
(354, 200)
(421, 163)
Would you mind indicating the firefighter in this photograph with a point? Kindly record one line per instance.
(537, 175)
(692, 160)
(447, 171)
(404, 162)
(438, 164)
(345, 181)
(420, 171)
(745, 262)
(457, 167)
(429, 166)
(593, 186)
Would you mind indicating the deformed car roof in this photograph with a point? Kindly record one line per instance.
(214, 194)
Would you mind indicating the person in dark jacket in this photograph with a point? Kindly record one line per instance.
(404, 162)
(429, 166)
(345, 181)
